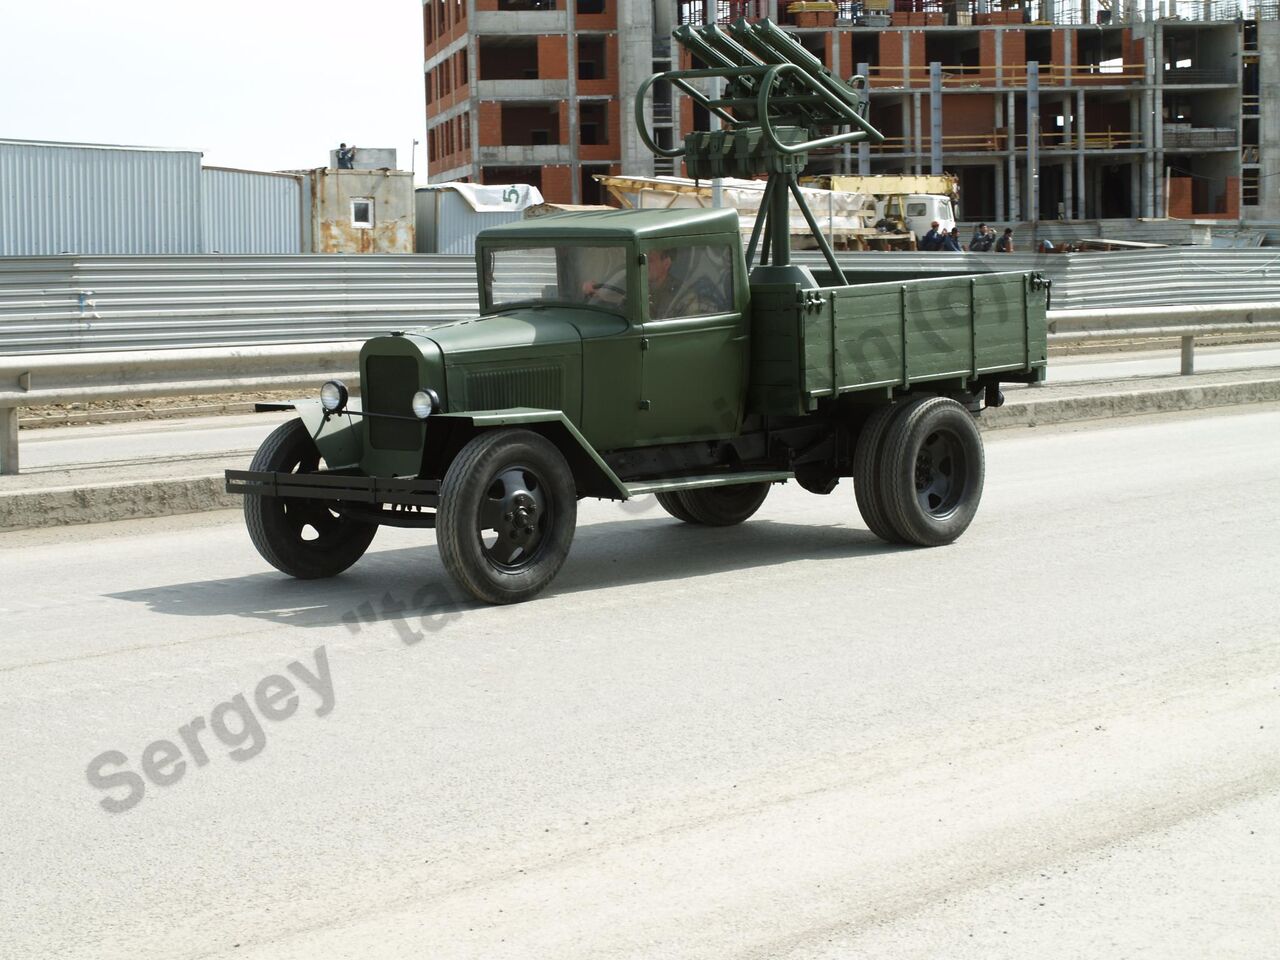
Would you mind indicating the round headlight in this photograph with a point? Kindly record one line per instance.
(333, 396)
(425, 403)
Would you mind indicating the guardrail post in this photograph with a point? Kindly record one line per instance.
(8, 440)
(1188, 356)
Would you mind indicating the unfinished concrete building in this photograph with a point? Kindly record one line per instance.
(1046, 110)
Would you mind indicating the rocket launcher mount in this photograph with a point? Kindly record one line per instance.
(777, 101)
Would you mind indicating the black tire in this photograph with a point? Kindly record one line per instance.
(724, 506)
(278, 525)
(507, 513)
(672, 503)
(932, 472)
(868, 456)
(866, 473)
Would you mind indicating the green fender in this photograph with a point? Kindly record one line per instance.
(592, 474)
(339, 438)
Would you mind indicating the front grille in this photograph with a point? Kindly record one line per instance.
(388, 386)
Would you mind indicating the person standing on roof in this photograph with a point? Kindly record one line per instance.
(346, 156)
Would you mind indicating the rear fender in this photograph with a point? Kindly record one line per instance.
(340, 437)
(448, 433)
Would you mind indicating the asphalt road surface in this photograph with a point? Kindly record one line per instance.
(1057, 738)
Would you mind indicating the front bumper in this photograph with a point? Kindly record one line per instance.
(344, 487)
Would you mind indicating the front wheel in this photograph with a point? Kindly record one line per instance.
(507, 513)
(304, 538)
(932, 472)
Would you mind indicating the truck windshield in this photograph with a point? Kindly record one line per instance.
(578, 275)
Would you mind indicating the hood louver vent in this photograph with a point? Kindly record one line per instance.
(529, 386)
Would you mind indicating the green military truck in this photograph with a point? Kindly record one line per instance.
(633, 352)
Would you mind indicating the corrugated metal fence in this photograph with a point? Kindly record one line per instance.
(72, 198)
(56, 304)
(249, 212)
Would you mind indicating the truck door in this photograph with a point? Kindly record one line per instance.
(694, 351)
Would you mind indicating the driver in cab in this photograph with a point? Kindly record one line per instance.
(668, 296)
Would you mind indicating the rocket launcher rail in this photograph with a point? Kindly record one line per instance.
(777, 101)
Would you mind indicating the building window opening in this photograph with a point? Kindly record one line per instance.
(593, 124)
(1040, 48)
(362, 212)
(508, 59)
(592, 61)
(524, 126)
(593, 191)
(591, 6)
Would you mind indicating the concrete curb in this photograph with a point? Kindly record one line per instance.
(135, 499)
(97, 503)
(1134, 403)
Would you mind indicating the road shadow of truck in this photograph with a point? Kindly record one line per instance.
(410, 582)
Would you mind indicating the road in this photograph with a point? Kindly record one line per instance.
(133, 441)
(1057, 738)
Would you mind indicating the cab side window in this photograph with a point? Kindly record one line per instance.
(690, 281)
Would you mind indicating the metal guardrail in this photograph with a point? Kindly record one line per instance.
(36, 380)
(74, 378)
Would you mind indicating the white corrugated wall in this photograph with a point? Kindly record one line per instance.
(248, 212)
(71, 198)
(447, 223)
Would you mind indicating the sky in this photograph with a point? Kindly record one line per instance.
(265, 85)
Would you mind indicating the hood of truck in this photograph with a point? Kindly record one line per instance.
(524, 358)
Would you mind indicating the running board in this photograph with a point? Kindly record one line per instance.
(641, 487)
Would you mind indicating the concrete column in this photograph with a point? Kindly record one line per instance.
(473, 85)
(1144, 120)
(935, 118)
(917, 132)
(571, 105)
(635, 63)
(1269, 123)
(999, 57)
(1157, 123)
(1033, 144)
(999, 173)
(8, 440)
(1081, 196)
(846, 151)
(1068, 189)
(908, 137)
(864, 148)
(1011, 117)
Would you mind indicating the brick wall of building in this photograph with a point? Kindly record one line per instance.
(553, 57)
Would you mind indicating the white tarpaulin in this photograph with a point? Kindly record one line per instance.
(491, 198)
(837, 212)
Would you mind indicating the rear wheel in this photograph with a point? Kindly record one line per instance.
(866, 470)
(724, 506)
(508, 509)
(304, 538)
(868, 459)
(672, 503)
(932, 472)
